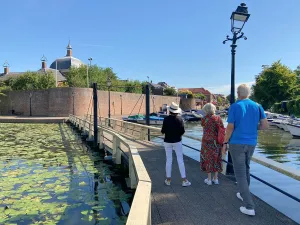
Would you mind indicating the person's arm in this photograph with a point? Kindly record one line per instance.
(229, 130)
(163, 129)
(263, 122)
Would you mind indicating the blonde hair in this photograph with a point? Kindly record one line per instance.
(243, 90)
(209, 108)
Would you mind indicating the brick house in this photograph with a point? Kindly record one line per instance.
(209, 96)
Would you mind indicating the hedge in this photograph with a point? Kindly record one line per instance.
(293, 107)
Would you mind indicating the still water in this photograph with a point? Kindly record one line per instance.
(275, 144)
(48, 176)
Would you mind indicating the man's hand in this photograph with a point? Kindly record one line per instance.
(224, 149)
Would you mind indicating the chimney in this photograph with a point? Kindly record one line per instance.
(6, 67)
(69, 49)
(44, 62)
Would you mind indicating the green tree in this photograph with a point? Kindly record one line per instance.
(32, 81)
(275, 84)
(200, 96)
(170, 91)
(228, 98)
(219, 100)
(77, 76)
(134, 86)
(4, 88)
(187, 92)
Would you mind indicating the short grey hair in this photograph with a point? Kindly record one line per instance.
(243, 90)
(209, 108)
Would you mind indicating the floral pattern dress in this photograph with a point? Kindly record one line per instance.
(211, 154)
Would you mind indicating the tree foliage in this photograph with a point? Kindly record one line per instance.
(200, 96)
(228, 98)
(220, 100)
(170, 91)
(81, 77)
(187, 92)
(77, 77)
(31, 81)
(274, 84)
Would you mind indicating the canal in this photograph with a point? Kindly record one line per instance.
(275, 144)
(49, 176)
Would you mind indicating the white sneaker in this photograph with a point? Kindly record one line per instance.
(208, 182)
(186, 183)
(249, 212)
(167, 182)
(238, 195)
(215, 181)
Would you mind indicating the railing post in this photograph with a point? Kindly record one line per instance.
(132, 176)
(142, 134)
(125, 125)
(149, 213)
(100, 138)
(90, 130)
(116, 150)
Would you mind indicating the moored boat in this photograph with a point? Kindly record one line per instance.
(294, 129)
(141, 119)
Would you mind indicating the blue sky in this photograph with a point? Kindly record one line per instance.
(176, 41)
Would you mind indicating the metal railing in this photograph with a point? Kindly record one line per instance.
(143, 130)
(140, 212)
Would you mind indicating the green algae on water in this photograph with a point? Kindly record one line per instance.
(48, 177)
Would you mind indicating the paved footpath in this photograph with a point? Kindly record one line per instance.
(198, 204)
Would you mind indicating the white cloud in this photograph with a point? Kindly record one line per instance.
(225, 89)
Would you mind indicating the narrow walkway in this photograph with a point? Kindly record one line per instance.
(198, 204)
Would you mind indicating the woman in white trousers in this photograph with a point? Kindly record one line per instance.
(173, 129)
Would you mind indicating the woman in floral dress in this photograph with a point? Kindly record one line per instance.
(211, 155)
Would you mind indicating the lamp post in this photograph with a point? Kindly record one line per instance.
(108, 83)
(30, 96)
(238, 19)
(87, 71)
(121, 105)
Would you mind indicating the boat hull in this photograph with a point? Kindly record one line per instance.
(294, 130)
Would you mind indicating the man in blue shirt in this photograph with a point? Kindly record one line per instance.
(245, 117)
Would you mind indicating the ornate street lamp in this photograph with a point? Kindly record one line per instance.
(238, 20)
(108, 83)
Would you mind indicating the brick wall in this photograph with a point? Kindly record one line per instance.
(65, 101)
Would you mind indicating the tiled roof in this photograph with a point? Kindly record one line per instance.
(64, 64)
(60, 77)
(196, 90)
(4, 76)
